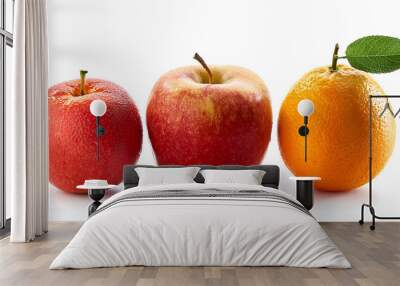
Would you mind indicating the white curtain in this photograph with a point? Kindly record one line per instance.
(26, 119)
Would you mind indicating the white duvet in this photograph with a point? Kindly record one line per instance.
(200, 231)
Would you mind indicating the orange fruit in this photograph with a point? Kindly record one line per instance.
(338, 141)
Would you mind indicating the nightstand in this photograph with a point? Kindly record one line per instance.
(96, 191)
(305, 190)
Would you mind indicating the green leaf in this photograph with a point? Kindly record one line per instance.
(375, 54)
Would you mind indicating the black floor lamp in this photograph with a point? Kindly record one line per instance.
(370, 205)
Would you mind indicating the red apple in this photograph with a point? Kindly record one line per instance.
(217, 115)
(72, 133)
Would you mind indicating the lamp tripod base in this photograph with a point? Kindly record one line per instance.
(372, 211)
(374, 216)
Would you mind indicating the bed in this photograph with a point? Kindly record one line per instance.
(198, 224)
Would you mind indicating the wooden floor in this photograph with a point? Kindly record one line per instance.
(375, 257)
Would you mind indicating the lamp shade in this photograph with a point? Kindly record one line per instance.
(98, 107)
(305, 107)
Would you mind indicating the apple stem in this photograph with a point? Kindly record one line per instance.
(82, 86)
(335, 58)
(198, 58)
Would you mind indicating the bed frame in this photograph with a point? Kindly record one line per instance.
(271, 177)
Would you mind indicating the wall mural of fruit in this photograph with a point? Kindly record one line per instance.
(72, 135)
(339, 128)
(209, 115)
(222, 115)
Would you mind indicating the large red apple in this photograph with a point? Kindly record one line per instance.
(72, 133)
(217, 115)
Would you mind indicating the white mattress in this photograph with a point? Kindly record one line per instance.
(200, 231)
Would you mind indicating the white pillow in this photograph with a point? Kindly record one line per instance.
(248, 177)
(163, 176)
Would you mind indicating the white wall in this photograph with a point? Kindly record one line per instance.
(133, 42)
